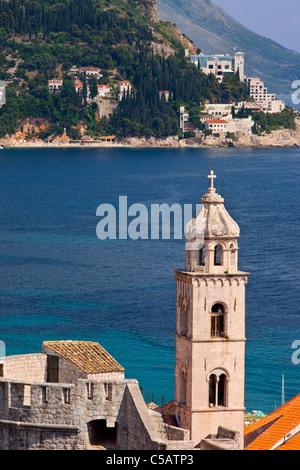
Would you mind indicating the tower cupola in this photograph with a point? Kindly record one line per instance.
(212, 236)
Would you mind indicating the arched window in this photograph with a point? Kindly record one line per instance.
(184, 318)
(233, 263)
(217, 320)
(217, 384)
(183, 385)
(218, 255)
(202, 256)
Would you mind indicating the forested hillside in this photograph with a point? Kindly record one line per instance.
(44, 39)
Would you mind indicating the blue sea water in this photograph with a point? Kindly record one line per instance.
(59, 281)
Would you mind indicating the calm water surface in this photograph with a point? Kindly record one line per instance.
(59, 281)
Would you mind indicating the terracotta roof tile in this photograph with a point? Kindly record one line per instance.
(270, 430)
(216, 121)
(291, 444)
(88, 356)
(168, 411)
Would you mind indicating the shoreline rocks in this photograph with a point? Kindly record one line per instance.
(282, 138)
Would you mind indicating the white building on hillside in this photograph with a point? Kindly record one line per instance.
(220, 65)
(55, 85)
(164, 93)
(123, 88)
(103, 90)
(218, 110)
(91, 71)
(183, 118)
(240, 127)
(78, 86)
(217, 126)
(259, 92)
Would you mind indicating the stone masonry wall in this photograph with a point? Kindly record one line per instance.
(50, 416)
(25, 367)
(56, 416)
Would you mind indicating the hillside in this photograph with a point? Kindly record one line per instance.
(44, 40)
(214, 31)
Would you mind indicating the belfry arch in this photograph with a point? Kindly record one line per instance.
(218, 320)
(218, 255)
(218, 388)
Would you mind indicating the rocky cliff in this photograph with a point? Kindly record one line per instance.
(214, 31)
(148, 8)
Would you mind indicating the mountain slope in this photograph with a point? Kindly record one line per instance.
(42, 40)
(214, 31)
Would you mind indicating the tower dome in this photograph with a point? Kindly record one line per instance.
(212, 229)
(218, 222)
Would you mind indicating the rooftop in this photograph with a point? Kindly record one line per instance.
(279, 430)
(216, 121)
(88, 356)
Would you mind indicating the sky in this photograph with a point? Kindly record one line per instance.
(275, 19)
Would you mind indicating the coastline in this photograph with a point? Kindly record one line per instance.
(284, 138)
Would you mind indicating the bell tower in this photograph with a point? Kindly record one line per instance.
(210, 324)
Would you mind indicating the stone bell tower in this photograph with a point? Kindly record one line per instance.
(210, 324)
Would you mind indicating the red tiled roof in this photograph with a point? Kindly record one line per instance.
(291, 444)
(168, 412)
(88, 356)
(216, 121)
(279, 425)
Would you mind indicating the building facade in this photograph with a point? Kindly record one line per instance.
(91, 72)
(210, 325)
(220, 64)
(55, 85)
(239, 127)
(164, 93)
(217, 126)
(104, 90)
(259, 92)
(183, 118)
(123, 88)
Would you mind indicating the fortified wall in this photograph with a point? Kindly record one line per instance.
(73, 396)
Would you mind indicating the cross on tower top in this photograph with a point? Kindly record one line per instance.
(211, 177)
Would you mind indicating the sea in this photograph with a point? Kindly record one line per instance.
(60, 281)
